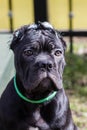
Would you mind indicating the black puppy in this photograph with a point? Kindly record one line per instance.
(35, 97)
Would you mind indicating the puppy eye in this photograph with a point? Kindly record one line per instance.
(58, 52)
(28, 52)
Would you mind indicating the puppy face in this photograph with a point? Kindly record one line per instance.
(39, 57)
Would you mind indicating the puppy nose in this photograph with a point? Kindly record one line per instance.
(45, 65)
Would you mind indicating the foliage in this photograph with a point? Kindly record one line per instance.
(75, 73)
(75, 82)
(78, 106)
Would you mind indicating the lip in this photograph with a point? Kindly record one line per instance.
(44, 85)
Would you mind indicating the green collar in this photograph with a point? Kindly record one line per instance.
(33, 101)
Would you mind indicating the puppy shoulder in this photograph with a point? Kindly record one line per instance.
(9, 102)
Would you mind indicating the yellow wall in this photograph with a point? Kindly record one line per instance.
(4, 23)
(58, 13)
(80, 14)
(22, 13)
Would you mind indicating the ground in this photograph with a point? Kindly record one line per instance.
(78, 106)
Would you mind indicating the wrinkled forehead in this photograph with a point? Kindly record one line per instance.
(42, 38)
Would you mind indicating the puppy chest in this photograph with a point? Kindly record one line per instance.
(39, 121)
(37, 117)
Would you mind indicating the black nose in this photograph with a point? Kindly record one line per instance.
(48, 65)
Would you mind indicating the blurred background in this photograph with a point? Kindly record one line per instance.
(69, 18)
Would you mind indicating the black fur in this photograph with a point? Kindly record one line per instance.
(39, 62)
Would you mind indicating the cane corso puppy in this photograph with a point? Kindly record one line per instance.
(35, 97)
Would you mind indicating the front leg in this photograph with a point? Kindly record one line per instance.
(42, 125)
(57, 113)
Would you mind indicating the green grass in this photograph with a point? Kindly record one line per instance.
(75, 83)
(78, 106)
(75, 73)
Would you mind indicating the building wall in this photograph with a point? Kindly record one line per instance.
(58, 13)
(22, 13)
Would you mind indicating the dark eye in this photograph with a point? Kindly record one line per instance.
(58, 52)
(28, 52)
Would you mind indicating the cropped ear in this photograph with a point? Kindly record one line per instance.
(18, 36)
(62, 40)
(63, 43)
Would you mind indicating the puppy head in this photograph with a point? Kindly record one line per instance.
(39, 57)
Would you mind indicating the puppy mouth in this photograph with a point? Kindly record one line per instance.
(45, 87)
